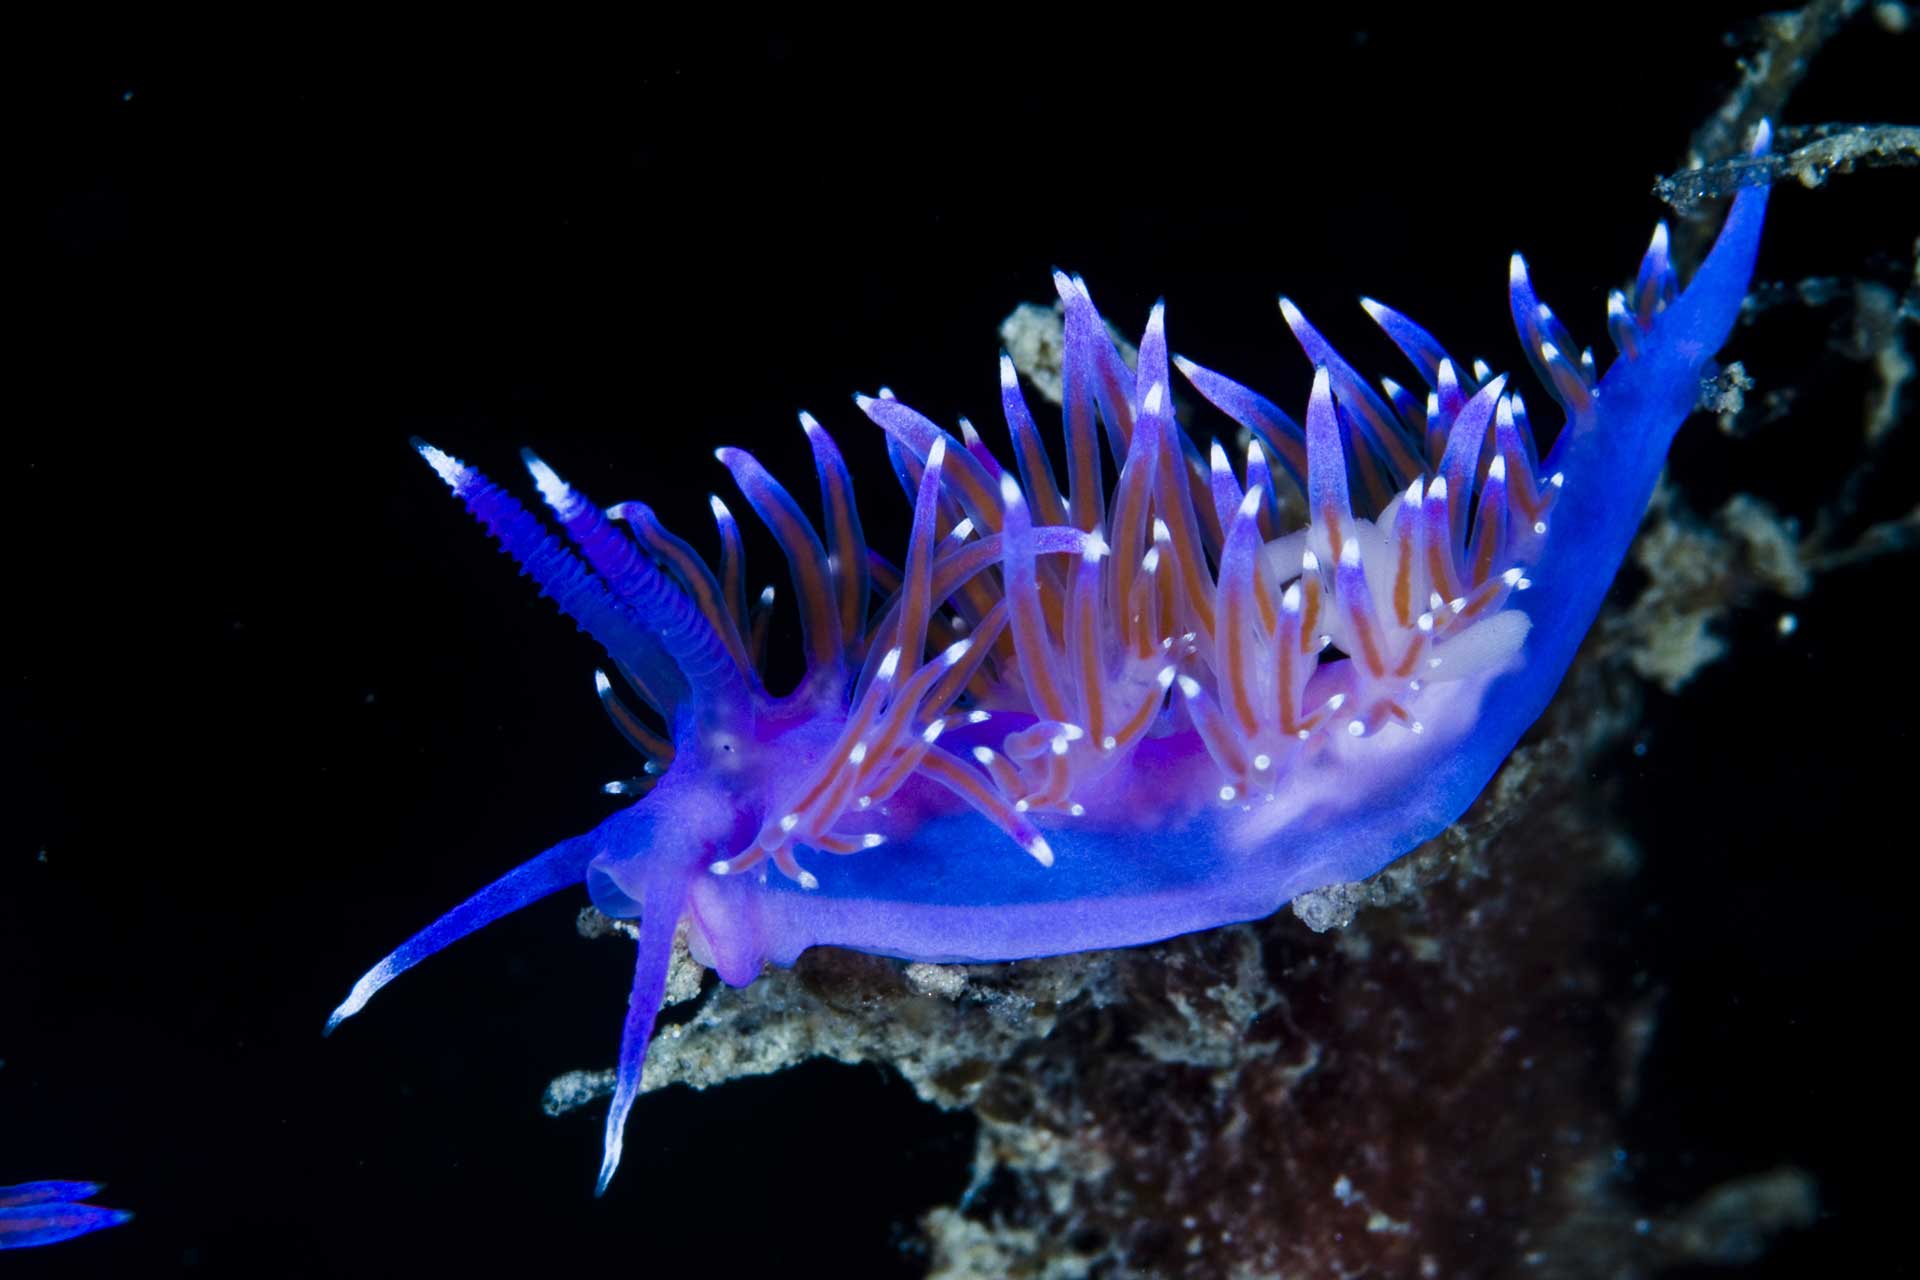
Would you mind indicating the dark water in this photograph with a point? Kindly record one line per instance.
(275, 703)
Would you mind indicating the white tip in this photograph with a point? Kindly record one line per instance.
(864, 802)
(1077, 809)
(1109, 742)
(1189, 686)
(1021, 806)
(1072, 732)
(1156, 318)
(1263, 762)
(371, 981)
(1516, 270)
(1309, 562)
(1549, 352)
(1290, 598)
(1291, 312)
(1160, 531)
(808, 880)
(872, 840)
(1009, 489)
(1165, 678)
(1497, 469)
(931, 734)
(1457, 603)
(963, 530)
(1356, 728)
(1511, 577)
(808, 423)
(1042, 851)
(968, 436)
(886, 393)
(1150, 562)
(1227, 793)
(1009, 376)
(445, 465)
(720, 511)
(863, 403)
(553, 490)
(615, 788)
(1417, 727)
(1544, 312)
(937, 454)
(1186, 367)
(1425, 623)
(1250, 505)
(977, 717)
(1337, 701)
(720, 868)
(1374, 309)
(956, 651)
(789, 822)
(1156, 394)
(858, 754)
(1539, 526)
(1616, 305)
(601, 685)
(766, 597)
(888, 665)
(983, 754)
(1350, 553)
(1437, 491)
(1481, 371)
(1658, 244)
(1058, 744)
(1094, 548)
(1557, 479)
(1217, 458)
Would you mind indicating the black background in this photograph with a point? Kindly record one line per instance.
(276, 703)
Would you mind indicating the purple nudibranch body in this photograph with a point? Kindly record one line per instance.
(1103, 714)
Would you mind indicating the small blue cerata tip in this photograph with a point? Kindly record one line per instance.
(1107, 707)
(42, 1213)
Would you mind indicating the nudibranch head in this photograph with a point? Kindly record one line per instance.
(1106, 711)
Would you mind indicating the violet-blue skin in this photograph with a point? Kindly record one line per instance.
(37, 1213)
(1102, 716)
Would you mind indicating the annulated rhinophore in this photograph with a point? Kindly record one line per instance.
(1102, 714)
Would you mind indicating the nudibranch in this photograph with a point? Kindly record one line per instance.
(1101, 714)
(37, 1213)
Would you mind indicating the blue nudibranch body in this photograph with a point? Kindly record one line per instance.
(1104, 714)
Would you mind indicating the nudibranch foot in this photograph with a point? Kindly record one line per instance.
(1109, 707)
